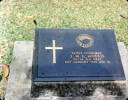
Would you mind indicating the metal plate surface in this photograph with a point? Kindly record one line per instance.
(76, 55)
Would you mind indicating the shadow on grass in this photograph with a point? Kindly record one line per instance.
(0, 78)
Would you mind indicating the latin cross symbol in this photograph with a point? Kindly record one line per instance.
(54, 48)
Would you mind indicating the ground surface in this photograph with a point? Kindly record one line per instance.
(16, 19)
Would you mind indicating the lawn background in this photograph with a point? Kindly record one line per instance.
(16, 19)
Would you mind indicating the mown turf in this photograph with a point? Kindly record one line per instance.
(16, 23)
(16, 19)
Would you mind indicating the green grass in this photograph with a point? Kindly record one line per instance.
(16, 19)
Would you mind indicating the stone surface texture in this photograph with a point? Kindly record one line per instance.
(19, 83)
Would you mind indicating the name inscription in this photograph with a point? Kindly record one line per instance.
(86, 58)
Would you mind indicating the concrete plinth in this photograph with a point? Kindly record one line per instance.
(19, 83)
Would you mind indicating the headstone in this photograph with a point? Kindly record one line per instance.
(65, 55)
(19, 81)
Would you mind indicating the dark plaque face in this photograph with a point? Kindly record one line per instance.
(76, 55)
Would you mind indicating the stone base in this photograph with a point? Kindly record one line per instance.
(76, 89)
(21, 88)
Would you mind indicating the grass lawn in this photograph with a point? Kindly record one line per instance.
(16, 19)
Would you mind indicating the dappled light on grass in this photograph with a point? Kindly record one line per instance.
(3, 49)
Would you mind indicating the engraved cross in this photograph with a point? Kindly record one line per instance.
(54, 48)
